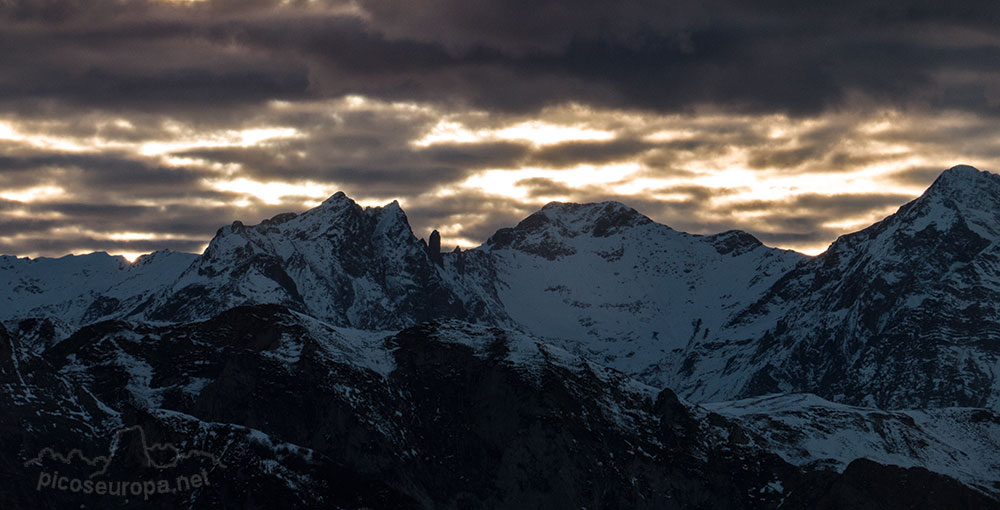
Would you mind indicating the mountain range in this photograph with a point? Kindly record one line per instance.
(586, 357)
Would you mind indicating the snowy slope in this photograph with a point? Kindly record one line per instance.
(78, 290)
(806, 430)
(607, 282)
(339, 262)
(903, 314)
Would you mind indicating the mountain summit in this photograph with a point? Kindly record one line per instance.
(904, 313)
(544, 232)
(961, 194)
(962, 178)
(348, 265)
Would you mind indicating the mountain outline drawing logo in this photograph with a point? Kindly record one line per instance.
(106, 460)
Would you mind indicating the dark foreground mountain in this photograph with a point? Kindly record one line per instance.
(333, 358)
(286, 411)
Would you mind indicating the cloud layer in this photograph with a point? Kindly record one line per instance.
(129, 125)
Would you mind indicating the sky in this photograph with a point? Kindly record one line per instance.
(129, 126)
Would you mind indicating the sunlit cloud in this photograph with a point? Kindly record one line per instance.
(6, 132)
(188, 139)
(505, 181)
(534, 132)
(273, 192)
(670, 135)
(695, 172)
(130, 256)
(450, 131)
(132, 236)
(34, 194)
(130, 125)
(544, 133)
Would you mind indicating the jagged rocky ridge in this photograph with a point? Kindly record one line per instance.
(339, 262)
(900, 315)
(905, 313)
(77, 290)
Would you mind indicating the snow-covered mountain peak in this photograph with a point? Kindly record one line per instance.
(340, 208)
(338, 217)
(961, 196)
(348, 265)
(549, 231)
(337, 199)
(962, 178)
(915, 293)
(735, 242)
(160, 256)
(600, 219)
(81, 289)
(960, 211)
(391, 218)
(339, 204)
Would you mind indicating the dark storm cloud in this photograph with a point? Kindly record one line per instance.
(480, 214)
(184, 226)
(827, 145)
(919, 175)
(71, 244)
(796, 57)
(136, 68)
(827, 206)
(542, 187)
(819, 235)
(392, 173)
(846, 205)
(478, 155)
(788, 158)
(110, 194)
(113, 73)
(700, 194)
(801, 220)
(775, 57)
(693, 195)
(568, 154)
(365, 150)
(15, 226)
(105, 178)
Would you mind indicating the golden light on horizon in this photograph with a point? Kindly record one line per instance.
(273, 192)
(189, 139)
(812, 249)
(6, 131)
(134, 236)
(37, 193)
(130, 256)
(546, 133)
(534, 132)
(713, 162)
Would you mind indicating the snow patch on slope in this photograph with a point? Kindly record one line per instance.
(807, 430)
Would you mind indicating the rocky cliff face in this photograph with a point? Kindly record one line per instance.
(903, 314)
(339, 262)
